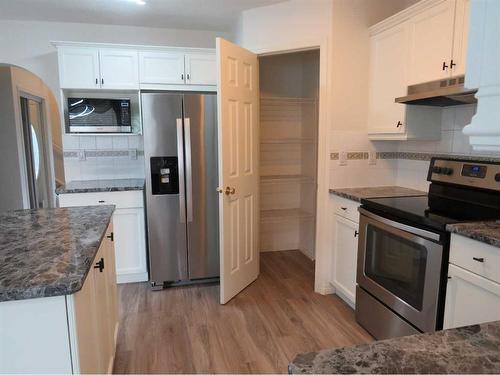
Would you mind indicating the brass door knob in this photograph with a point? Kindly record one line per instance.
(228, 190)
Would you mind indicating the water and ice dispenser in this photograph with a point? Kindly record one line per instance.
(164, 175)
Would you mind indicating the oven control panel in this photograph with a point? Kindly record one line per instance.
(483, 175)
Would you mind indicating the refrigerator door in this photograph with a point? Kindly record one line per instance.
(165, 190)
(202, 201)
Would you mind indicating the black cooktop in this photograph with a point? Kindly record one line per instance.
(417, 211)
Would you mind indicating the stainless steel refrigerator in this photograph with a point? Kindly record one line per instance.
(180, 152)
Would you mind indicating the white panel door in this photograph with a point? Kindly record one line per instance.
(470, 299)
(345, 248)
(201, 69)
(388, 80)
(161, 67)
(238, 111)
(431, 43)
(119, 68)
(79, 68)
(460, 37)
(129, 238)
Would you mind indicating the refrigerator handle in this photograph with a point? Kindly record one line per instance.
(180, 153)
(189, 177)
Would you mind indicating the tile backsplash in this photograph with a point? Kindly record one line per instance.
(403, 163)
(99, 157)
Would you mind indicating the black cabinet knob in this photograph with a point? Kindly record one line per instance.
(444, 65)
(399, 124)
(100, 265)
(356, 233)
(480, 260)
(111, 236)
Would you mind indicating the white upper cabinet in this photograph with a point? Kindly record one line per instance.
(431, 43)
(388, 77)
(79, 68)
(119, 69)
(200, 69)
(161, 67)
(460, 37)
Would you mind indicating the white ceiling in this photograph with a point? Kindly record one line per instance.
(216, 15)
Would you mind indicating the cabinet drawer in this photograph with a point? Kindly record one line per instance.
(463, 250)
(346, 208)
(121, 199)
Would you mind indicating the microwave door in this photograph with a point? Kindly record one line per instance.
(99, 115)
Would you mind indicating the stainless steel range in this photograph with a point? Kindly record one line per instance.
(404, 246)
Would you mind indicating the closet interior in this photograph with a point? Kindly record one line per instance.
(289, 89)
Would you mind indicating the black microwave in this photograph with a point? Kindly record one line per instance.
(87, 115)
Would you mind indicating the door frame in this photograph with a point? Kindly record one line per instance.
(323, 254)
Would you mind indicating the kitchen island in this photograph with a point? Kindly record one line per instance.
(58, 304)
(471, 349)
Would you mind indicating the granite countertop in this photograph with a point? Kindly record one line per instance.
(49, 252)
(356, 194)
(472, 349)
(94, 186)
(484, 231)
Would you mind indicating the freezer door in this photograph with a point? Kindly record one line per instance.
(200, 128)
(165, 189)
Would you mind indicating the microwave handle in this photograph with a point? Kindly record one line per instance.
(407, 228)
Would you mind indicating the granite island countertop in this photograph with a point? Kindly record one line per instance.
(49, 252)
(94, 186)
(356, 194)
(472, 349)
(483, 231)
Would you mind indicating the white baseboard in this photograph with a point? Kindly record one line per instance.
(132, 278)
(325, 289)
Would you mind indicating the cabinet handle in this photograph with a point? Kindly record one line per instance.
(182, 77)
(356, 233)
(343, 208)
(111, 236)
(452, 64)
(101, 201)
(399, 124)
(444, 65)
(480, 260)
(188, 77)
(102, 81)
(96, 81)
(100, 265)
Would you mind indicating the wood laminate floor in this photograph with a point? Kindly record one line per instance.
(185, 330)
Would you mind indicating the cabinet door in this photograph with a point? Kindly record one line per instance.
(161, 67)
(460, 37)
(119, 69)
(130, 244)
(388, 80)
(431, 43)
(78, 68)
(345, 250)
(200, 69)
(470, 299)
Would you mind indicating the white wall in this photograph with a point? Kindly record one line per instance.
(27, 44)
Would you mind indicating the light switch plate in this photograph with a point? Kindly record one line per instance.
(343, 158)
(372, 158)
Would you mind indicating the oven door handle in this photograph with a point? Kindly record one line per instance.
(407, 228)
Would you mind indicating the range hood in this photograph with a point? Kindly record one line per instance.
(441, 93)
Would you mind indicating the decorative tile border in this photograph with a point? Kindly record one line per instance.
(420, 156)
(101, 153)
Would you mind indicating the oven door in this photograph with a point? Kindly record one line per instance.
(400, 266)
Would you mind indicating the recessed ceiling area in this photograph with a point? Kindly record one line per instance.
(214, 15)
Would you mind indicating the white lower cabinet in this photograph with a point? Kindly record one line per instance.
(471, 298)
(129, 229)
(64, 334)
(345, 251)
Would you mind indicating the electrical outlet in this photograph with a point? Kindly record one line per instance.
(132, 154)
(372, 158)
(343, 158)
(81, 155)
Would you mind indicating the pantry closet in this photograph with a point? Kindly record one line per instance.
(289, 89)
